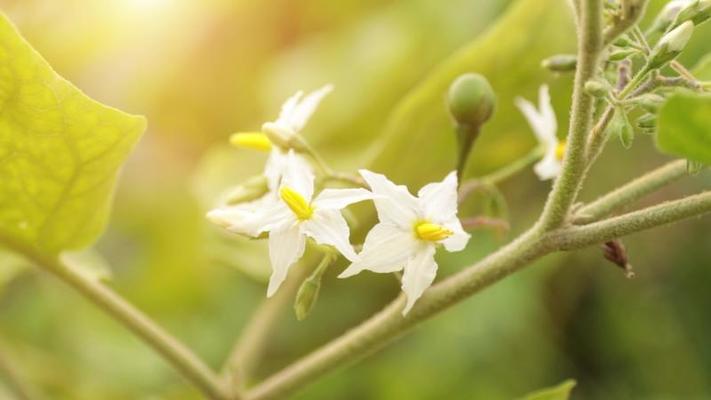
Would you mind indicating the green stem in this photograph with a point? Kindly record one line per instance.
(176, 353)
(567, 185)
(638, 78)
(632, 191)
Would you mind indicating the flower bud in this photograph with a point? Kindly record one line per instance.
(471, 100)
(697, 11)
(621, 126)
(560, 63)
(596, 88)
(619, 55)
(647, 121)
(667, 16)
(306, 297)
(650, 102)
(671, 44)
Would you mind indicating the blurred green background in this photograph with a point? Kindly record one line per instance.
(200, 70)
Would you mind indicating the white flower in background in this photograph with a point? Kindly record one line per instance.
(409, 231)
(292, 215)
(544, 125)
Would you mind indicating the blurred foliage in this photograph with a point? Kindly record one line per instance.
(200, 70)
(558, 392)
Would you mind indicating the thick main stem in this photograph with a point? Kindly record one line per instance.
(567, 185)
(175, 352)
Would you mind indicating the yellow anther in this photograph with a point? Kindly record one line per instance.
(251, 140)
(296, 202)
(432, 232)
(560, 150)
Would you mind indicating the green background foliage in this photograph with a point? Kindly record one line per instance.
(201, 70)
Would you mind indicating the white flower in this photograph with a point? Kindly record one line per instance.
(544, 126)
(290, 215)
(409, 231)
(295, 113)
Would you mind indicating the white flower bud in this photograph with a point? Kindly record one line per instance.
(671, 44)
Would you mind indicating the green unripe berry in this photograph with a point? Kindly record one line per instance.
(561, 63)
(471, 100)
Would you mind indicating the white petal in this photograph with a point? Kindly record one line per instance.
(306, 107)
(288, 108)
(543, 123)
(328, 227)
(298, 175)
(420, 272)
(286, 246)
(386, 249)
(458, 241)
(251, 218)
(274, 168)
(549, 167)
(439, 199)
(394, 203)
(336, 199)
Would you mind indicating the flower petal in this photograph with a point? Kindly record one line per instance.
(298, 175)
(288, 108)
(306, 107)
(328, 227)
(394, 203)
(439, 199)
(286, 246)
(336, 199)
(274, 168)
(420, 272)
(542, 122)
(386, 249)
(549, 167)
(251, 218)
(459, 239)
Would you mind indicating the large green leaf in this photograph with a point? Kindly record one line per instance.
(419, 143)
(59, 151)
(558, 392)
(685, 127)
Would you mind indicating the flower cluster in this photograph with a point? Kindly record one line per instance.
(405, 239)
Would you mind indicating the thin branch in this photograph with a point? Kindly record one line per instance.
(567, 185)
(175, 352)
(249, 347)
(575, 237)
(631, 191)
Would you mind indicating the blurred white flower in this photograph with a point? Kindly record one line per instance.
(296, 112)
(544, 125)
(409, 231)
(290, 215)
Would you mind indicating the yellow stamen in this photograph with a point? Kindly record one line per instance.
(560, 150)
(251, 140)
(296, 202)
(432, 232)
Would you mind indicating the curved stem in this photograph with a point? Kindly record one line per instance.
(175, 352)
(567, 185)
(632, 191)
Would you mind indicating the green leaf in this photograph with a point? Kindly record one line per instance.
(684, 127)
(558, 392)
(60, 151)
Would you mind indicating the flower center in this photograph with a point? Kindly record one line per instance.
(251, 140)
(296, 202)
(431, 232)
(560, 151)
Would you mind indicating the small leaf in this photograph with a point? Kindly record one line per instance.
(558, 392)
(684, 127)
(60, 151)
(626, 131)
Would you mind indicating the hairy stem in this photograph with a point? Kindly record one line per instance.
(176, 353)
(567, 185)
(580, 236)
(632, 191)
